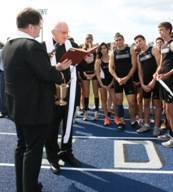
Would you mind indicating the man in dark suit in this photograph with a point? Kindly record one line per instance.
(29, 86)
(63, 113)
(3, 109)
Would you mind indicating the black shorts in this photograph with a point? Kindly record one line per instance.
(128, 87)
(106, 82)
(165, 95)
(83, 76)
(154, 93)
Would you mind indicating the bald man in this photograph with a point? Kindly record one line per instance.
(63, 113)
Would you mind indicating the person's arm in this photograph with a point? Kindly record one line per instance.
(140, 73)
(61, 66)
(97, 70)
(134, 63)
(146, 88)
(155, 75)
(111, 84)
(39, 63)
(112, 67)
(157, 55)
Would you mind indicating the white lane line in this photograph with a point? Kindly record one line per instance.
(102, 170)
(97, 137)
(6, 133)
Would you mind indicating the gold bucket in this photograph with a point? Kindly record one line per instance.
(61, 93)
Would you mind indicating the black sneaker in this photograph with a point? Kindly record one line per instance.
(38, 188)
(69, 158)
(135, 125)
(109, 114)
(3, 115)
(55, 168)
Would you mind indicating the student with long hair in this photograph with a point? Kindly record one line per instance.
(88, 75)
(105, 79)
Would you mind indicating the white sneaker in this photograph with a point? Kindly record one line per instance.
(78, 112)
(165, 137)
(85, 116)
(143, 129)
(156, 131)
(168, 143)
(140, 122)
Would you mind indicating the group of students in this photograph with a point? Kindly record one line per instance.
(134, 70)
(33, 69)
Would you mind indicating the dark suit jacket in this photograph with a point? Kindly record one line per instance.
(29, 82)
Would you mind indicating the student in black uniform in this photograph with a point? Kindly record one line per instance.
(159, 42)
(122, 66)
(165, 72)
(63, 113)
(29, 83)
(88, 75)
(138, 91)
(148, 62)
(105, 79)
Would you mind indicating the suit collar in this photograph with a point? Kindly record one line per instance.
(21, 35)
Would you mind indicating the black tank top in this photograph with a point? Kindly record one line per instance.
(148, 65)
(122, 60)
(88, 67)
(105, 69)
(167, 58)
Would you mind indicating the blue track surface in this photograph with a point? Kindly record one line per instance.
(113, 161)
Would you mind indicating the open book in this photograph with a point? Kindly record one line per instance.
(76, 55)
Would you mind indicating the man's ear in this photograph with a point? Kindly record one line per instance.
(171, 46)
(53, 31)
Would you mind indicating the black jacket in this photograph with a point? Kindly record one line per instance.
(29, 82)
